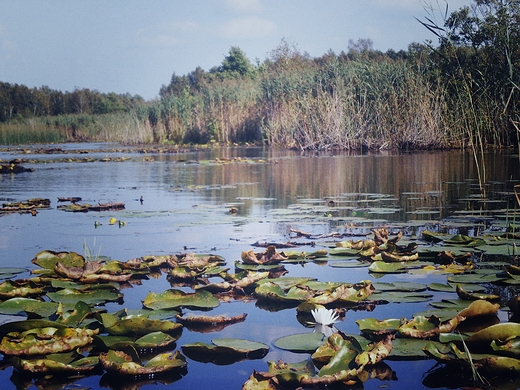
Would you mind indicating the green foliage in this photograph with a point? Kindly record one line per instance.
(18, 102)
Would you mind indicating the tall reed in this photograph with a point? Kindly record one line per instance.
(355, 104)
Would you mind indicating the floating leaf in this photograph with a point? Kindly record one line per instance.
(225, 351)
(176, 298)
(28, 305)
(470, 296)
(386, 268)
(400, 286)
(511, 347)
(52, 366)
(480, 308)
(140, 326)
(11, 289)
(118, 362)
(441, 287)
(95, 297)
(501, 332)
(375, 326)
(9, 272)
(341, 251)
(401, 296)
(348, 264)
(475, 278)
(303, 342)
(408, 348)
(48, 259)
(41, 341)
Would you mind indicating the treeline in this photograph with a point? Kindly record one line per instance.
(18, 102)
(461, 92)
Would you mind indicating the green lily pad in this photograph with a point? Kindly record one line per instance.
(225, 351)
(408, 348)
(348, 264)
(339, 251)
(76, 316)
(386, 268)
(375, 326)
(51, 366)
(148, 341)
(139, 325)
(499, 250)
(9, 289)
(121, 363)
(502, 332)
(400, 286)
(240, 345)
(475, 278)
(510, 347)
(48, 259)
(441, 287)
(9, 272)
(172, 298)
(257, 267)
(401, 296)
(29, 306)
(71, 296)
(303, 342)
(42, 341)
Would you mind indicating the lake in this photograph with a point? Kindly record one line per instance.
(223, 201)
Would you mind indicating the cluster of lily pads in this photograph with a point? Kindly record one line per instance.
(68, 330)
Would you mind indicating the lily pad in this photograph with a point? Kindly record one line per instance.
(401, 296)
(400, 286)
(121, 363)
(139, 326)
(303, 342)
(148, 341)
(51, 366)
(172, 298)
(9, 272)
(95, 297)
(387, 268)
(375, 326)
(48, 259)
(42, 341)
(28, 305)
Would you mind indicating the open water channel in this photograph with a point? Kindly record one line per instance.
(227, 200)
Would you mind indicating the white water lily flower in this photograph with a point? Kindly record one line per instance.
(324, 316)
(326, 330)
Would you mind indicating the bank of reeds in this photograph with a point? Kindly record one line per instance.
(309, 105)
(126, 128)
(355, 105)
(30, 132)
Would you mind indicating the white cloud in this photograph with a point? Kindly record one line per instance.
(165, 34)
(245, 6)
(247, 28)
(5, 42)
(186, 26)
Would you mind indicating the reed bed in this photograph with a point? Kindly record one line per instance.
(337, 103)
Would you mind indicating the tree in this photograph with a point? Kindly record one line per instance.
(236, 63)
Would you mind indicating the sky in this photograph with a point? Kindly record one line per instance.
(134, 46)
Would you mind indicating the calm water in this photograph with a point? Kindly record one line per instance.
(186, 198)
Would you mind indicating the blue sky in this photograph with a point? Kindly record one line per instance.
(136, 45)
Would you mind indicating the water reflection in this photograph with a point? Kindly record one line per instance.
(186, 207)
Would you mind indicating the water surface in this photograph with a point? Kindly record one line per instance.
(186, 198)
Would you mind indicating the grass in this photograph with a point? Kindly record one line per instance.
(89, 253)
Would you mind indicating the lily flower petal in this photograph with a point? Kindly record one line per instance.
(324, 316)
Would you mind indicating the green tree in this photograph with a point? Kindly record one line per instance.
(236, 63)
